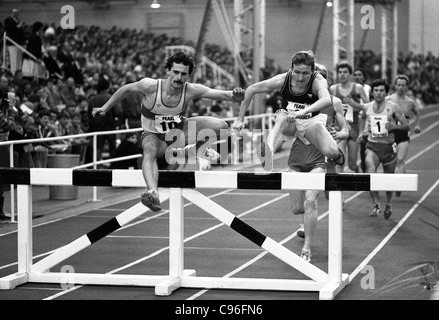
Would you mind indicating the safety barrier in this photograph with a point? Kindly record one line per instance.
(182, 184)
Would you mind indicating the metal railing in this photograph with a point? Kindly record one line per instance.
(266, 124)
(5, 40)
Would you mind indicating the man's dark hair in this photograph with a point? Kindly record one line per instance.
(304, 57)
(180, 57)
(380, 82)
(402, 77)
(344, 64)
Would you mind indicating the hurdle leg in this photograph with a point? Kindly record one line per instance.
(176, 245)
(24, 231)
(337, 280)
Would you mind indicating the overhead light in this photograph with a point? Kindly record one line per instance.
(329, 4)
(155, 4)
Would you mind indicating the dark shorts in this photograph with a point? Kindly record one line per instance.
(354, 130)
(386, 152)
(305, 158)
(401, 136)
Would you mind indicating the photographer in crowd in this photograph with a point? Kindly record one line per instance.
(6, 125)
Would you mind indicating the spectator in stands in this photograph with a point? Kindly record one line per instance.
(14, 30)
(45, 129)
(68, 92)
(33, 68)
(104, 123)
(80, 144)
(129, 146)
(131, 105)
(217, 110)
(22, 152)
(51, 62)
(6, 125)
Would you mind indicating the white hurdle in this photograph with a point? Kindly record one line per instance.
(182, 184)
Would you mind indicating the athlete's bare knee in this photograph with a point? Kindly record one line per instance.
(310, 205)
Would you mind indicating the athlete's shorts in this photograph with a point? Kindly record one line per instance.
(386, 152)
(354, 130)
(304, 158)
(401, 136)
(168, 137)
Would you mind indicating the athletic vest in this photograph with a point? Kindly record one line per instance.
(376, 124)
(298, 101)
(161, 118)
(350, 113)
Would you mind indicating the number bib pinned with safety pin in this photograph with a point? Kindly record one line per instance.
(378, 126)
(165, 123)
(348, 112)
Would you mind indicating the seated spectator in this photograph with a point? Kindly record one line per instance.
(44, 130)
(129, 146)
(80, 144)
(64, 124)
(22, 152)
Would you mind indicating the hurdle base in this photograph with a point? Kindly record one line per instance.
(330, 290)
(166, 287)
(13, 280)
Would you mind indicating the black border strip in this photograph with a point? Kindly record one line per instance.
(247, 231)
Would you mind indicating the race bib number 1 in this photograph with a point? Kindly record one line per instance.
(378, 126)
(348, 112)
(164, 124)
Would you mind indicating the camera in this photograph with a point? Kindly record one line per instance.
(4, 103)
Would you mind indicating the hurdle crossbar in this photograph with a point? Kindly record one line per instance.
(181, 184)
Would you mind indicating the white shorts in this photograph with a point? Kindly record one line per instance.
(302, 125)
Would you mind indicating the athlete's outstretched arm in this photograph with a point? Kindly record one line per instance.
(196, 90)
(143, 86)
(265, 86)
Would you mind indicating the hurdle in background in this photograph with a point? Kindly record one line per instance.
(183, 184)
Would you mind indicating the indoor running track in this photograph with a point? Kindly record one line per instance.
(392, 249)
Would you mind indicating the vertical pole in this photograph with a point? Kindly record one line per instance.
(395, 42)
(335, 35)
(24, 228)
(351, 27)
(384, 42)
(11, 161)
(176, 233)
(335, 235)
(238, 6)
(95, 159)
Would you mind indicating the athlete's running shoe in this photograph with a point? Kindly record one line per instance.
(151, 200)
(339, 162)
(306, 255)
(387, 211)
(301, 232)
(376, 210)
(211, 155)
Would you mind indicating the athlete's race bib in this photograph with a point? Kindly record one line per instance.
(164, 124)
(348, 112)
(378, 126)
(294, 106)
